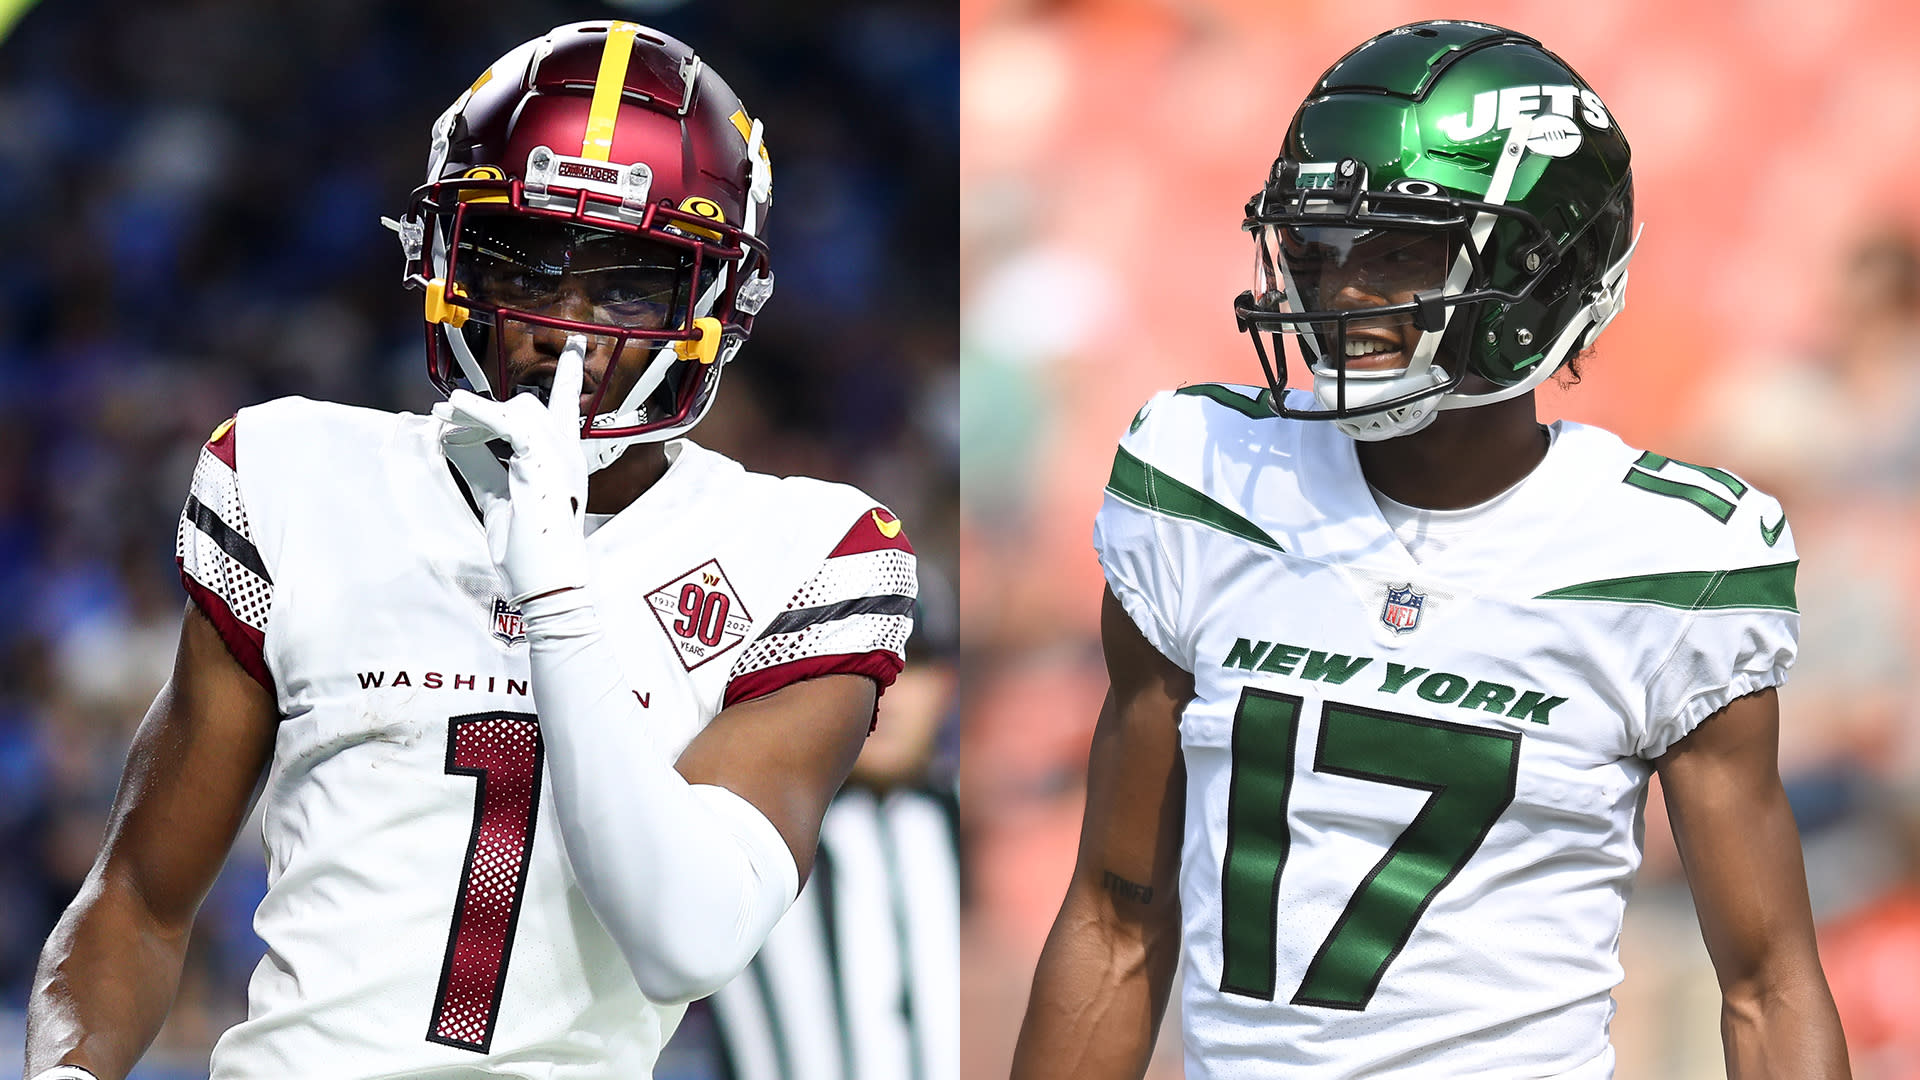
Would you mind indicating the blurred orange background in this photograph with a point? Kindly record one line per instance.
(1772, 327)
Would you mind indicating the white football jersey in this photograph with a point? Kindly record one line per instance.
(421, 919)
(1414, 790)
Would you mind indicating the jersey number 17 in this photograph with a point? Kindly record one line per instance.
(1470, 772)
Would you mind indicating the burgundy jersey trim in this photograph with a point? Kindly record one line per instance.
(877, 530)
(221, 444)
(879, 665)
(247, 644)
(219, 564)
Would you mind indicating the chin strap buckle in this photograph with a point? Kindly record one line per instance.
(442, 310)
(703, 348)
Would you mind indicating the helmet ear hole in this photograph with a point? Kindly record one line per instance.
(1509, 354)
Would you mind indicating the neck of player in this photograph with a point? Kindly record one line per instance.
(1462, 459)
(614, 488)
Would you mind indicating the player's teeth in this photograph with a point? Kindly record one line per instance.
(1363, 348)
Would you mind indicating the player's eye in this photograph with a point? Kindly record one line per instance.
(504, 280)
(628, 292)
(634, 295)
(523, 282)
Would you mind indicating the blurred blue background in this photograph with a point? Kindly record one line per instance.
(191, 192)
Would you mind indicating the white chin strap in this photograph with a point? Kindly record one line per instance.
(470, 365)
(1392, 423)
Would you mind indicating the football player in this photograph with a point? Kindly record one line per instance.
(547, 702)
(1392, 663)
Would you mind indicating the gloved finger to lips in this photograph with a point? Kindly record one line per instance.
(568, 376)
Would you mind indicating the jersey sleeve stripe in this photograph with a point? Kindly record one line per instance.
(1134, 481)
(849, 635)
(230, 541)
(854, 577)
(246, 643)
(879, 665)
(1694, 590)
(223, 570)
(788, 622)
(854, 614)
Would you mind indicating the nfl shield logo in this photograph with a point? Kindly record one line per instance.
(508, 626)
(1402, 612)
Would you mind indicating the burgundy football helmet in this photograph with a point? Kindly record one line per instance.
(606, 153)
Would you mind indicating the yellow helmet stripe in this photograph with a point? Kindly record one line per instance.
(744, 125)
(607, 87)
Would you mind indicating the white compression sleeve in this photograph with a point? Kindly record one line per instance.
(688, 878)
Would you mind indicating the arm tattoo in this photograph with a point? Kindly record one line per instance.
(1122, 889)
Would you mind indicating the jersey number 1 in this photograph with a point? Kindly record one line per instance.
(502, 752)
(1470, 772)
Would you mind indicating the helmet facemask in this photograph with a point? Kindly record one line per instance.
(528, 282)
(663, 284)
(1379, 289)
(1468, 130)
(1358, 304)
(599, 180)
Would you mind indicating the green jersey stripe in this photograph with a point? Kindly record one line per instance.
(1253, 408)
(1768, 587)
(1706, 500)
(1656, 462)
(1144, 486)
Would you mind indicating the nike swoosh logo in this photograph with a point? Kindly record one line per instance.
(1772, 536)
(891, 529)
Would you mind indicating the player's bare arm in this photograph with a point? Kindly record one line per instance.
(1101, 987)
(109, 971)
(1741, 850)
(787, 753)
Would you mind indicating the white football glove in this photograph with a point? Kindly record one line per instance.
(535, 505)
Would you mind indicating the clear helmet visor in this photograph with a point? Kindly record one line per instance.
(1349, 294)
(616, 279)
(533, 281)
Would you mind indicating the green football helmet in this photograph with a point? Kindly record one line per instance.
(1451, 199)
